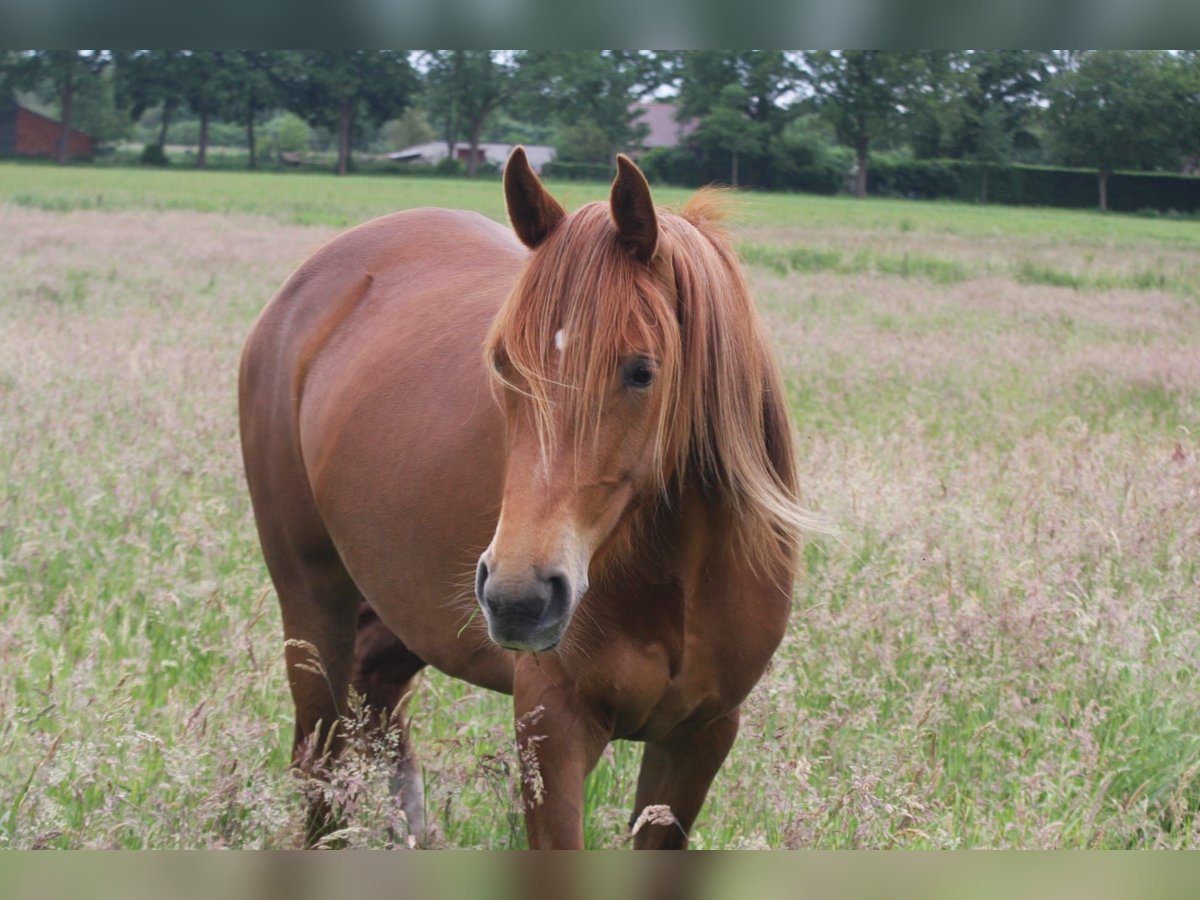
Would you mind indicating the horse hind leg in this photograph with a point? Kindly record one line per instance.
(317, 601)
(383, 675)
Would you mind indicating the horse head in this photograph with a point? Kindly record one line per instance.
(584, 353)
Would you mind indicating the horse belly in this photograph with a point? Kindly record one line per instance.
(404, 447)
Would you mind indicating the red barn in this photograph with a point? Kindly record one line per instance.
(25, 133)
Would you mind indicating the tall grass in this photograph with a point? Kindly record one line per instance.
(997, 648)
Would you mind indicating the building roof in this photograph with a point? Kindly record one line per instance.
(665, 129)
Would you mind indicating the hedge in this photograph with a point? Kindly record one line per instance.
(1025, 185)
(931, 179)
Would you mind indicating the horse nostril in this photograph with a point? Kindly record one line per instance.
(560, 595)
(481, 577)
(558, 589)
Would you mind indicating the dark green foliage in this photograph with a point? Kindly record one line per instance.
(249, 87)
(94, 109)
(729, 128)
(154, 155)
(1044, 186)
(1124, 110)
(673, 165)
(1022, 185)
(790, 169)
(917, 179)
(992, 107)
(863, 94)
(151, 79)
(292, 134)
(584, 143)
(735, 96)
(806, 157)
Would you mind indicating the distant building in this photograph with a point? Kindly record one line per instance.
(664, 129)
(26, 133)
(434, 152)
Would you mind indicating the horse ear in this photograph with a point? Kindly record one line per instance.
(532, 211)
(633, 209)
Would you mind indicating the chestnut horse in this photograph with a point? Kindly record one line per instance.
(592, 423)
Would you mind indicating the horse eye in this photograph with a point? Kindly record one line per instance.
(638, 373)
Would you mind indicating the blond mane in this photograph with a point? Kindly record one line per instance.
(724, 421)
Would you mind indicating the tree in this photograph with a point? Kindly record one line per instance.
(764, 77)
(151, 78)
(737, 96)
(1120, 110)
(729, 127)
(292, 134)
(464, 88)
(411, 127)
(249, 90)
(94, 109)
(977, 105)
(204, 82)
(570, 87)
(864, 93)
(337, 88)
(935, 111)
(993, 144)
(1188, 63)
(64, 71)
(1002, 93)
(583, 142)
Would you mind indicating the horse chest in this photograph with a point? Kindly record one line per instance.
(655, 687)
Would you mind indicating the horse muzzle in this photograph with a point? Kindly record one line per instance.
(528, 613)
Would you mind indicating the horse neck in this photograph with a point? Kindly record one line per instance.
(676, 534)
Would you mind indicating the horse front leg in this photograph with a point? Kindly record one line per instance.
(676, 774)
(559, 740)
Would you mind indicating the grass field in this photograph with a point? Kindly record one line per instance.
(998, 409)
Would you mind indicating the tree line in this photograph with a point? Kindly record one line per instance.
(765, 118)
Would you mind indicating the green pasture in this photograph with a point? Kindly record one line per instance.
(312, 198)
(997, 410)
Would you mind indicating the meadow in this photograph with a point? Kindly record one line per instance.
(998, 412)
